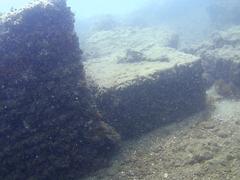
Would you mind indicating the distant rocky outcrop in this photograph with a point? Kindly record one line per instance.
(49, 125)
(221, 61)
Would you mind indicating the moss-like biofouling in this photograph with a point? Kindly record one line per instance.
(47, 117)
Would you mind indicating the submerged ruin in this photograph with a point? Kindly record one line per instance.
(65, 107)
(142, 81)
(49, 125)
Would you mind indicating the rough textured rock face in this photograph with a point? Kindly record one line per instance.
(149, 102)
(49, 128)
(143, 85)
(221, 60)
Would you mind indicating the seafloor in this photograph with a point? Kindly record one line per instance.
(57, 124)
(204, 146)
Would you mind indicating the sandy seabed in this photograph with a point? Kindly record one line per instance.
(205, 146)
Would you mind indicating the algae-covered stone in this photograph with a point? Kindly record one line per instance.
(103, 43)
(163, 85)
(224, 13)
(221, 58)
(49, 127)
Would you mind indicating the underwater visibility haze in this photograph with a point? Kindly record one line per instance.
(119, 90)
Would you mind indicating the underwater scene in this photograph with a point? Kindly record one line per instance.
(120, 90)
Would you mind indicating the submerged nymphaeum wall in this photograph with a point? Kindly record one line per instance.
(49, 125)
(140, 79)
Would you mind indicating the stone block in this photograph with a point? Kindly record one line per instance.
(49, 126)
(140, 90)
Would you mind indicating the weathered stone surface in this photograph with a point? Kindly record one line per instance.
(49, 128)
(140, 87)
(104, 43)
(221, 60)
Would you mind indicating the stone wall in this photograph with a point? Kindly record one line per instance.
(49, 125)
(147, 104)
(141, 85)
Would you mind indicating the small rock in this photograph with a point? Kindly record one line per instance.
(237, 122)
(230, 157)
(208, 125)
(222, 134)
(165, 175)
(198, 158)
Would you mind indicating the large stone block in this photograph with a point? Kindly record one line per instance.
(49, 127)
(140, 90)
(221, 60)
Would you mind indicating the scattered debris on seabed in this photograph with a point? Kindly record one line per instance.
(204, 146)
